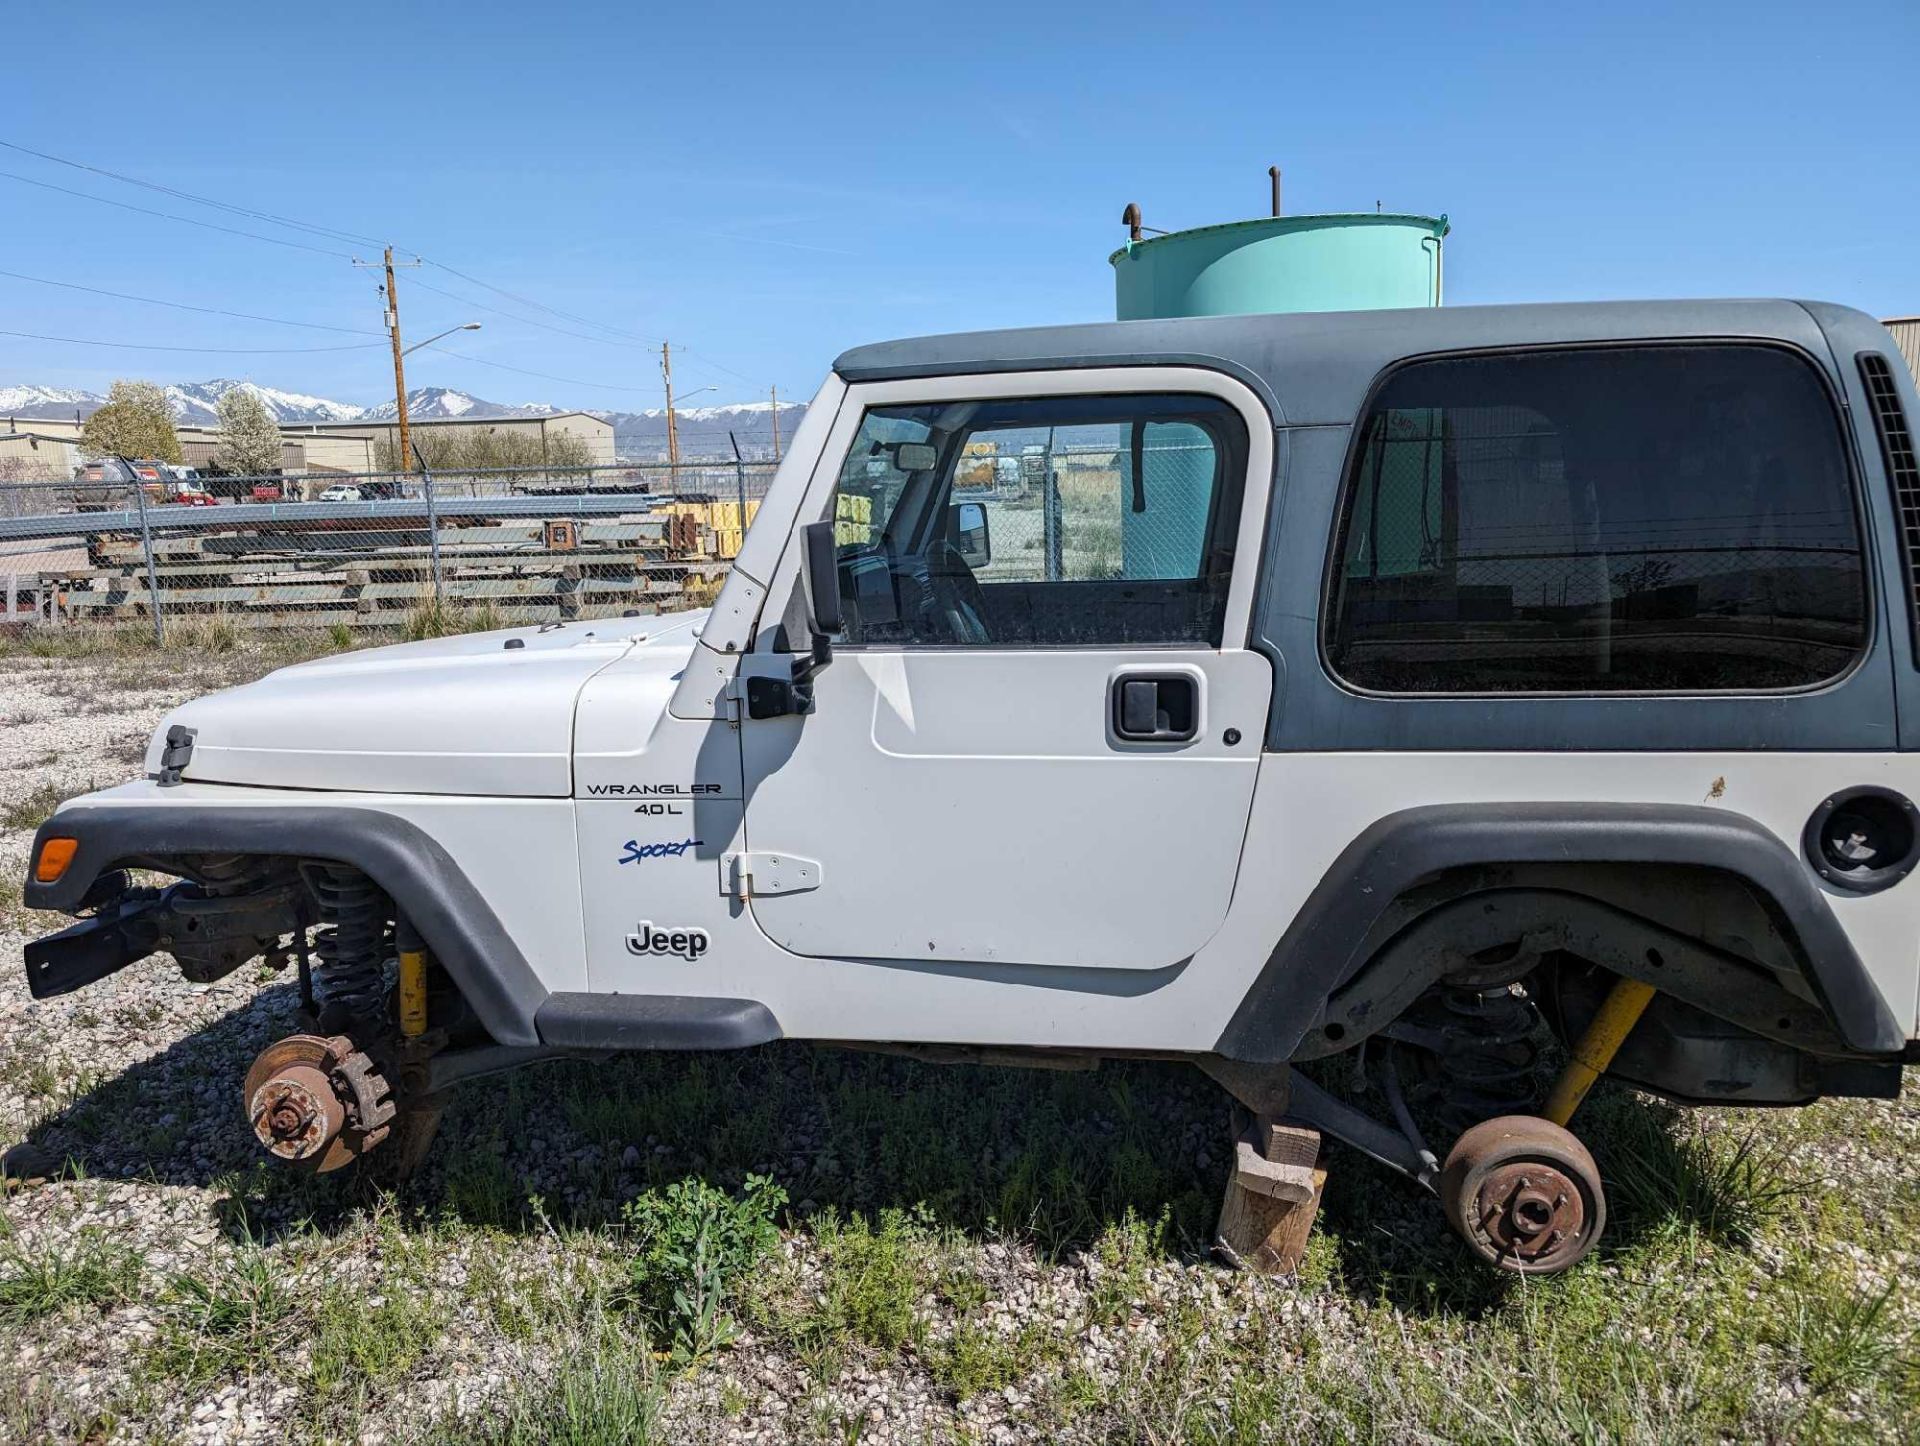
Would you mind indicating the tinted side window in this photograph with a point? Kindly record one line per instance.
(1657, 519)
(1051, 521)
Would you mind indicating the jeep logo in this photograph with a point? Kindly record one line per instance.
(688, 944)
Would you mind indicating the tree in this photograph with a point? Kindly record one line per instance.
(20, 499)
(136, 422)
(480, 448)
(249, 436)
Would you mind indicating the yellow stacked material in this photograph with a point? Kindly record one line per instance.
(720, 514)
(852, 519)
(721, 519)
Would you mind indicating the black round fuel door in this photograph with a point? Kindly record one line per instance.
(1863, 839)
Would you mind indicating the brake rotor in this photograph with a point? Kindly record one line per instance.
(1524, 1194)
(317, 1102)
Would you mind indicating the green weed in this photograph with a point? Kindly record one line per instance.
(874, 1278)
(1119, 1266)
(354, 1339)
(693, 1241)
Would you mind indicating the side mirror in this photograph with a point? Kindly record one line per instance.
(967, 531)
(823, 577)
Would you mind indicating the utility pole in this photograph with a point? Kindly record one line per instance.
(773, 395)
(673, 428)
(392, 299)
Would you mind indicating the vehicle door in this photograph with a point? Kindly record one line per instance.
(1037, 739)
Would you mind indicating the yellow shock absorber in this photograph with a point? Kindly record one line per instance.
(1619, 1012)
(413, 993)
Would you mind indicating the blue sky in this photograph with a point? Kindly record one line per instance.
(767, 185)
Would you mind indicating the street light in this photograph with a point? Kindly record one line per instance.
(467, 326)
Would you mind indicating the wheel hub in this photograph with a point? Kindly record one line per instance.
(316, 1101)
(296, 1113)
(1524, 1194)
(1530, 1210)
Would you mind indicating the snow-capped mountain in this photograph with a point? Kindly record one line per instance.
(193, 403)
(638, 436)
(198, 403)
(431, 403)
(36, 401)
(642, 435)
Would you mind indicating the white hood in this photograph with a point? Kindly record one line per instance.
(484, 713)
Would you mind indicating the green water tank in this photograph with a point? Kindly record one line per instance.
(1282, 263)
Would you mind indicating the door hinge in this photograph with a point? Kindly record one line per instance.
(760, 696)
(751, 875)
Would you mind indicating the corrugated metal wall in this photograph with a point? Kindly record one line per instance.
(1906, 336)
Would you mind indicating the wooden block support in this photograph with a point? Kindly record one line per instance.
(1273, 1194)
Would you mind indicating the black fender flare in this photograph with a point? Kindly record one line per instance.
(453, 917)
(459, 926)
(1323, 946)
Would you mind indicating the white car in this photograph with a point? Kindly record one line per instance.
(340, 492)
(1430, 680)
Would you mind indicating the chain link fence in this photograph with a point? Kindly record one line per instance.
(405, 554)
(1075, 514)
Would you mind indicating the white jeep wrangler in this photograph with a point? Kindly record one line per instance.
(1243, 690)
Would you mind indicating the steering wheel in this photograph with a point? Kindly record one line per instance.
(954, 604)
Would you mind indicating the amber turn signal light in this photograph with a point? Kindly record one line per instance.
(55, 855)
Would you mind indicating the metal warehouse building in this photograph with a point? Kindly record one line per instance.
(1906, 335)
(351, 446)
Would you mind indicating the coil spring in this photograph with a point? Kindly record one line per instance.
(349, 978)
(1483, 1039)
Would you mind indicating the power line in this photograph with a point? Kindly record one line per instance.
(183, 306)
(184, 220)
(627, 338)
(525, 320)
(538, 305)
(544, 376)
(717, 366)
(212, 350)
(308, 226)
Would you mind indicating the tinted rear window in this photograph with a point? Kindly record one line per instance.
(1626, 519)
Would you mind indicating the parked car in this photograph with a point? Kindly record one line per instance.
(1573, 691)
(187, 494)
(340, 492)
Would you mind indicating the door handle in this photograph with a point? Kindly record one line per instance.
(1155, 707)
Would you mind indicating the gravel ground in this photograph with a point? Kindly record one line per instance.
(961, 1254)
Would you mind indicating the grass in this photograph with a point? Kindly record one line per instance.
(1016, 1246)
(605, 1399)
(235, 1320)
(1843, 1336)
(94, 1274)
(28, 813)
(1670, 1173)
(101, 665)
(439, 620)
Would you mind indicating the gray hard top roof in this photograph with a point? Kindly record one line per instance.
(1314, 368)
